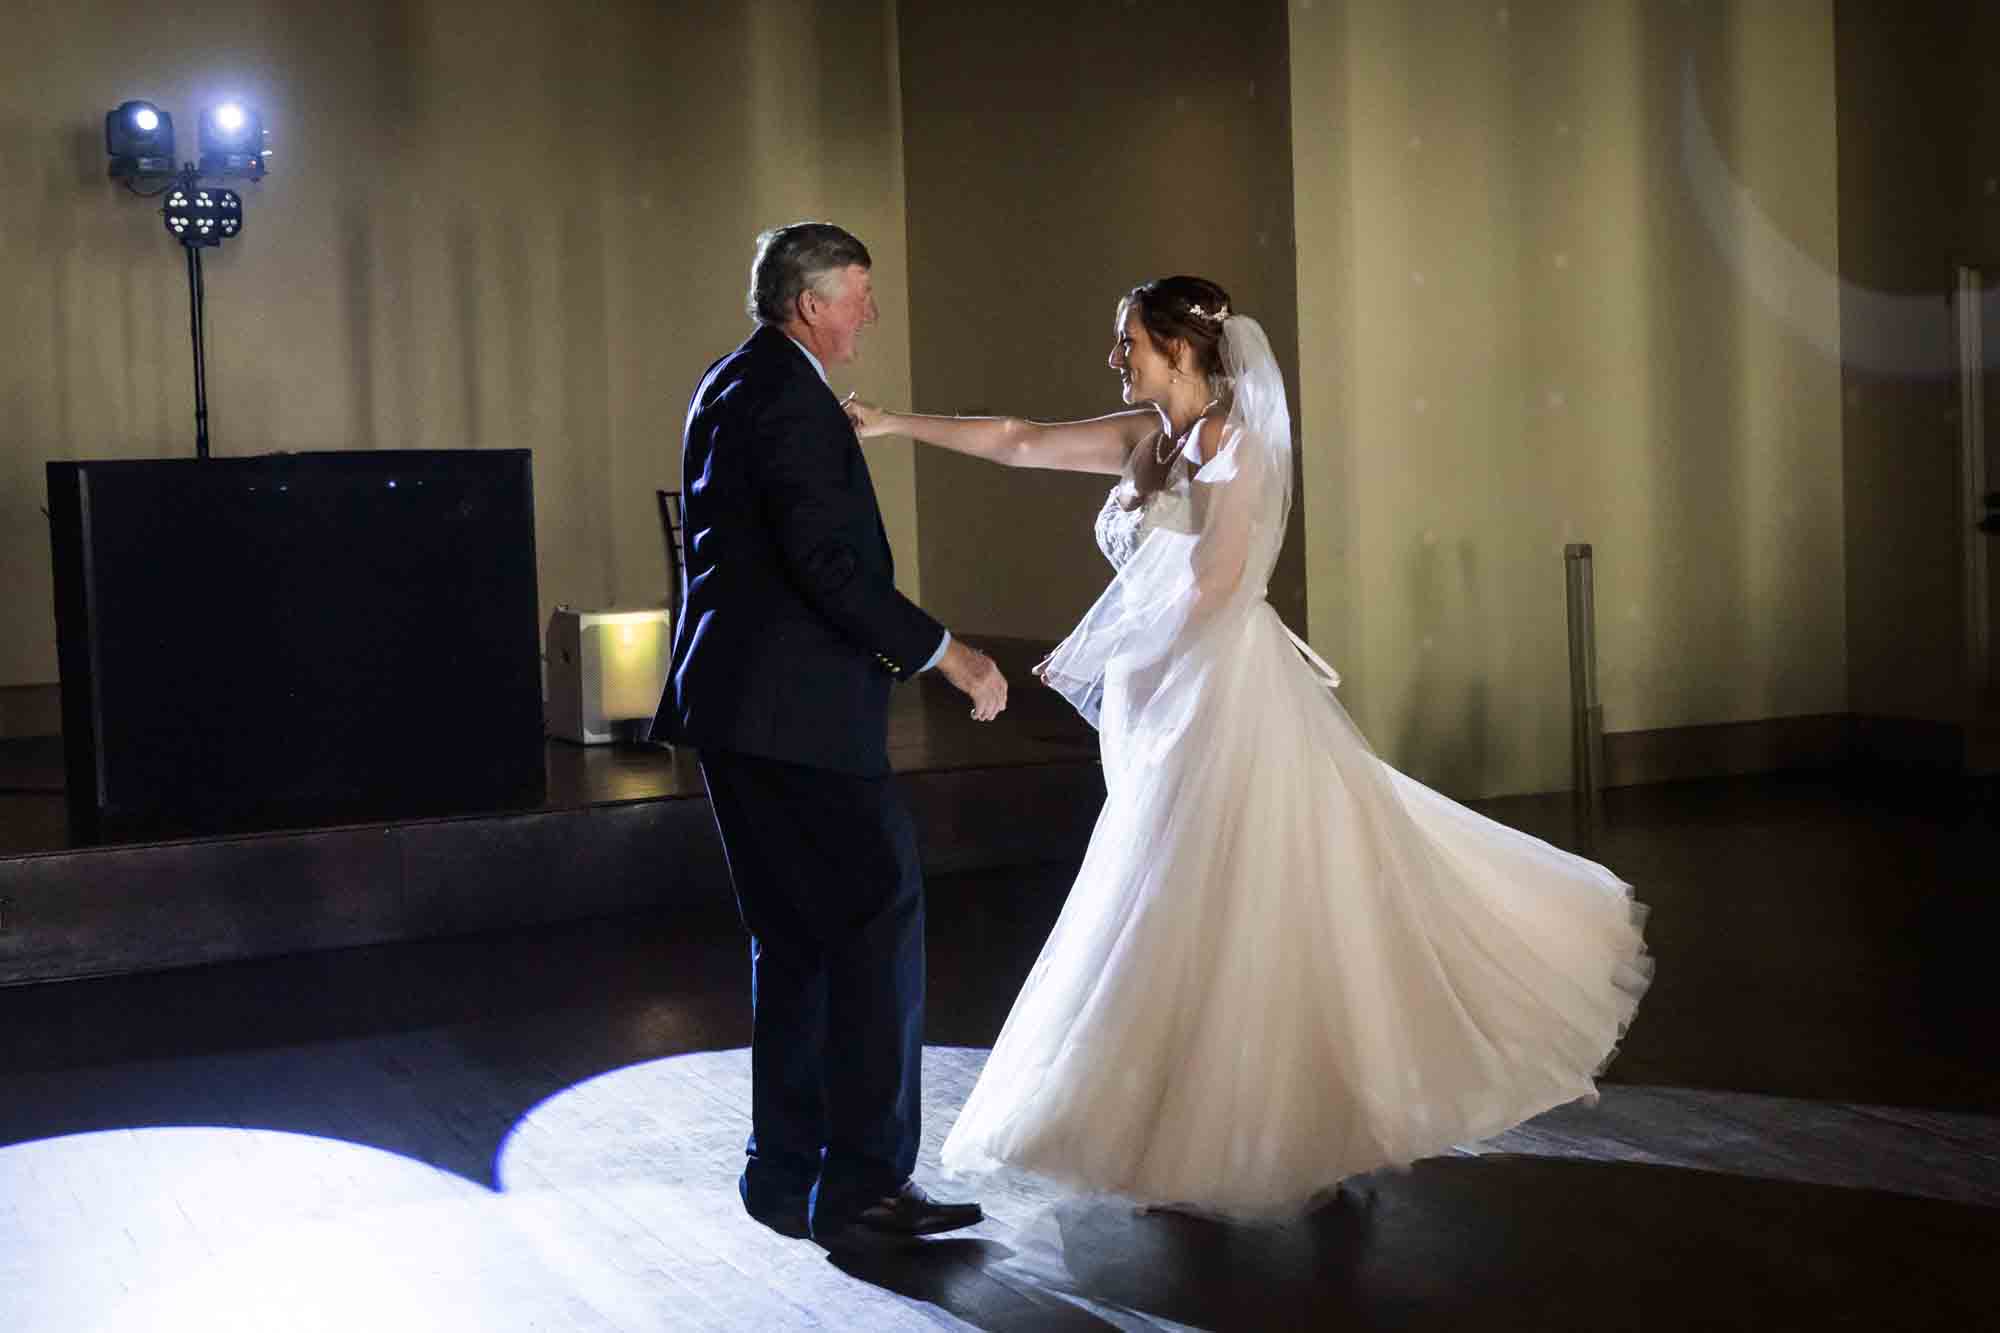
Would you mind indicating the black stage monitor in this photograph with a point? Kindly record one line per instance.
(298, 638)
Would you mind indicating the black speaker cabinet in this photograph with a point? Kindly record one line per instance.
(297, 638)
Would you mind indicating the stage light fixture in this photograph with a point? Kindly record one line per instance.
(140, 139)
(605, 672)
(179, 211)
(198, 216)
(232, 141)
(228, 213)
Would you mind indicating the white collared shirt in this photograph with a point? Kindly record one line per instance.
(817, 367)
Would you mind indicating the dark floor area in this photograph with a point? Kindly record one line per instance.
(1802, 1130)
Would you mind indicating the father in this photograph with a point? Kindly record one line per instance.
(791, 634)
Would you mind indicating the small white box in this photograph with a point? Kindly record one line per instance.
(606, 670)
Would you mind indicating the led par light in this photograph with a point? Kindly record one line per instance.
(140, 139)
(228, 213)
(232, 141)
(196, 216)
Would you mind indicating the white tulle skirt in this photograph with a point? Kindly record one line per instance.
(1284, 963)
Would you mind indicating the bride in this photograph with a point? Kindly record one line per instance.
(1283, 962)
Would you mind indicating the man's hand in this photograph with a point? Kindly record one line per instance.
(976, 676)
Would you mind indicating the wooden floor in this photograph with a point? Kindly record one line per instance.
(540, 1129)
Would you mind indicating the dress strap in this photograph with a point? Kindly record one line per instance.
(1327, 674)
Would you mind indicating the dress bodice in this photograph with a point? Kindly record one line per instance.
(1121, 530)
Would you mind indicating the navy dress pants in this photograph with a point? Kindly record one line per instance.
(829, 886)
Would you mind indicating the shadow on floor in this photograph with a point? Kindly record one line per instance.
(1494, 1243)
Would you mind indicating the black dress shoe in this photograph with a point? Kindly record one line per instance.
(784, 1213)
(787, 1218)
(902, 1216)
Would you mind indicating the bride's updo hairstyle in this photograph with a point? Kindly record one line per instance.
(1189, 311)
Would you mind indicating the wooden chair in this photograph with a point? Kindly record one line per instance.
(673, 523)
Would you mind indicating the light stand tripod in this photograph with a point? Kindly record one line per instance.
(196, 299)
(139, 137)
(199, 218)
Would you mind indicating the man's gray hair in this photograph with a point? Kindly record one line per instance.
(791, 259)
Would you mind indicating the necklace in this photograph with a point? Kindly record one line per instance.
(1164, 458)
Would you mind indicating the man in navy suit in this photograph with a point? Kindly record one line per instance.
(791, 635)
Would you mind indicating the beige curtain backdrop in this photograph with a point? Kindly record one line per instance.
(489, 225)
(1542, 271)
(1517, 330)
(1060, 153)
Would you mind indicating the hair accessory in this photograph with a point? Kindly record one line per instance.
(1222, 312)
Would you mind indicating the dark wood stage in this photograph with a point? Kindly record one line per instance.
(621, 828)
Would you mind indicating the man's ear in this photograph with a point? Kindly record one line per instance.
(807, 307)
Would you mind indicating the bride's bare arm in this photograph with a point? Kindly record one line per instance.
(1097, 445)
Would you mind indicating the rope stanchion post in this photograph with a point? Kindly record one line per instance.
(1586, 713)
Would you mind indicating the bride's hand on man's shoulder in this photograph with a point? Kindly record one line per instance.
(867, 419)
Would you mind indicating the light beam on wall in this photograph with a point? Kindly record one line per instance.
(1891, 333)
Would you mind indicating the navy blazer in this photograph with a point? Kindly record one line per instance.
(791, 630)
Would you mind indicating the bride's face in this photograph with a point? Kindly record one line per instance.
(1144, 371)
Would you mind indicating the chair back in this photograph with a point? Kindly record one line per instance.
(673, 524)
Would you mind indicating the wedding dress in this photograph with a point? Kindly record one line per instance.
(1282, 962)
